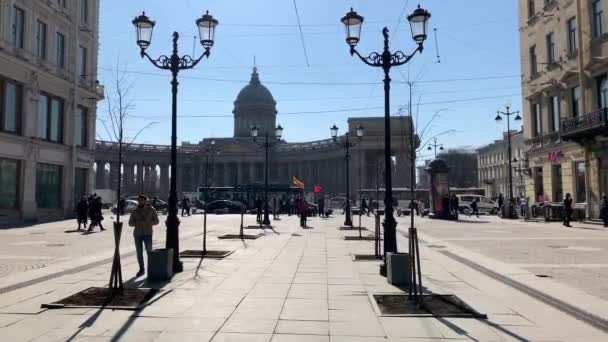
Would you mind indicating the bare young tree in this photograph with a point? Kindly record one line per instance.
(118, 107)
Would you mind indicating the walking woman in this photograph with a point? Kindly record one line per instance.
(95, 214)
(82, 210)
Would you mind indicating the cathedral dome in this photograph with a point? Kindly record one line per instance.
(255, 93)
(254, 106)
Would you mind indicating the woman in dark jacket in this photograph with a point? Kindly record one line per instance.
(82, 210)
(95, 214)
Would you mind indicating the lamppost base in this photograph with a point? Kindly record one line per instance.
(172, 241)
(266, 221)
(383, 270)
(348, 222)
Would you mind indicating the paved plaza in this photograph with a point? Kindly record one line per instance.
(297, 284)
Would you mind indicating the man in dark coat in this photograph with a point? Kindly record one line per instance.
(567, 210)
(258, 206)
(604, 210)
(82, 210)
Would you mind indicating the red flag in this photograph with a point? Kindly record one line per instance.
(318, 189)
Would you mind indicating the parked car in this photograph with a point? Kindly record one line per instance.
(225, 207)
(485, 204)
(158, 204)
(130, 205)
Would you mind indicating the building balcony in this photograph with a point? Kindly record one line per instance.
(585, 127)
(543, 140)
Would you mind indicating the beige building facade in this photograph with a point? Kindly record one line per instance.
(48, 96)
(564, 58)
(493, 166)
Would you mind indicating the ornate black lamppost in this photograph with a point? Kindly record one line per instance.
(511, 213)
(347, 144)
(174, 63)
(386, 60)
(434, 145)
(278, 132)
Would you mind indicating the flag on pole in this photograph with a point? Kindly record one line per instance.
(318, 189)
(297, 182)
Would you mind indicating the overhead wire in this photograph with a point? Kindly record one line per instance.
(241, 81)
(323, 111)
(295, 6)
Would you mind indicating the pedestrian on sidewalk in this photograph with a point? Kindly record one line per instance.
(185, 206)
(567, 210)
(143, 218)
(604, 209)
(95, 214)
(474, 208)
(82, 211)
(302, 212)
(258, 206)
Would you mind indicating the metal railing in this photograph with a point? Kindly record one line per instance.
(598, 118)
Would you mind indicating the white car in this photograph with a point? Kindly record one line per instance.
(484, 204)
(130, 205)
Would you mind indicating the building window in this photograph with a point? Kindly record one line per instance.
(9, 183)
(598, 17)
(555, 117)
(539, 190)
(18, 27)
(60, 50)
(533, 61)
(556, 180)
(572, 47)
(80, 183)
(82, 60)
(62, 3)
(575, 94)
(551, 48)
(48, 186)
(531, 9)
(579, 175)
(41, 39)
(84, 10)
(80, 127)
(50, 118)
(10, 112)
(537, 123)
(602, 91)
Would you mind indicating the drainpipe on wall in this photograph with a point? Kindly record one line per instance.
(582, 79)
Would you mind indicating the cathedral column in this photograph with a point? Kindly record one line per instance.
(127, 178)
(99, 175)
(164, 181)
(252, 173)
(114, 174)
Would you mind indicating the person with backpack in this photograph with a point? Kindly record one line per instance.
(143, 219)
(95, 214)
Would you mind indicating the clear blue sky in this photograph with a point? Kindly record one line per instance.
(476, 38)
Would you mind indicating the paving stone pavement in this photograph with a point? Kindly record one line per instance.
(292, 284)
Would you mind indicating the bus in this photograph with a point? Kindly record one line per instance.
(247, 194)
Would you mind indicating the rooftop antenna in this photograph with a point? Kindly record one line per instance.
(436, 45)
